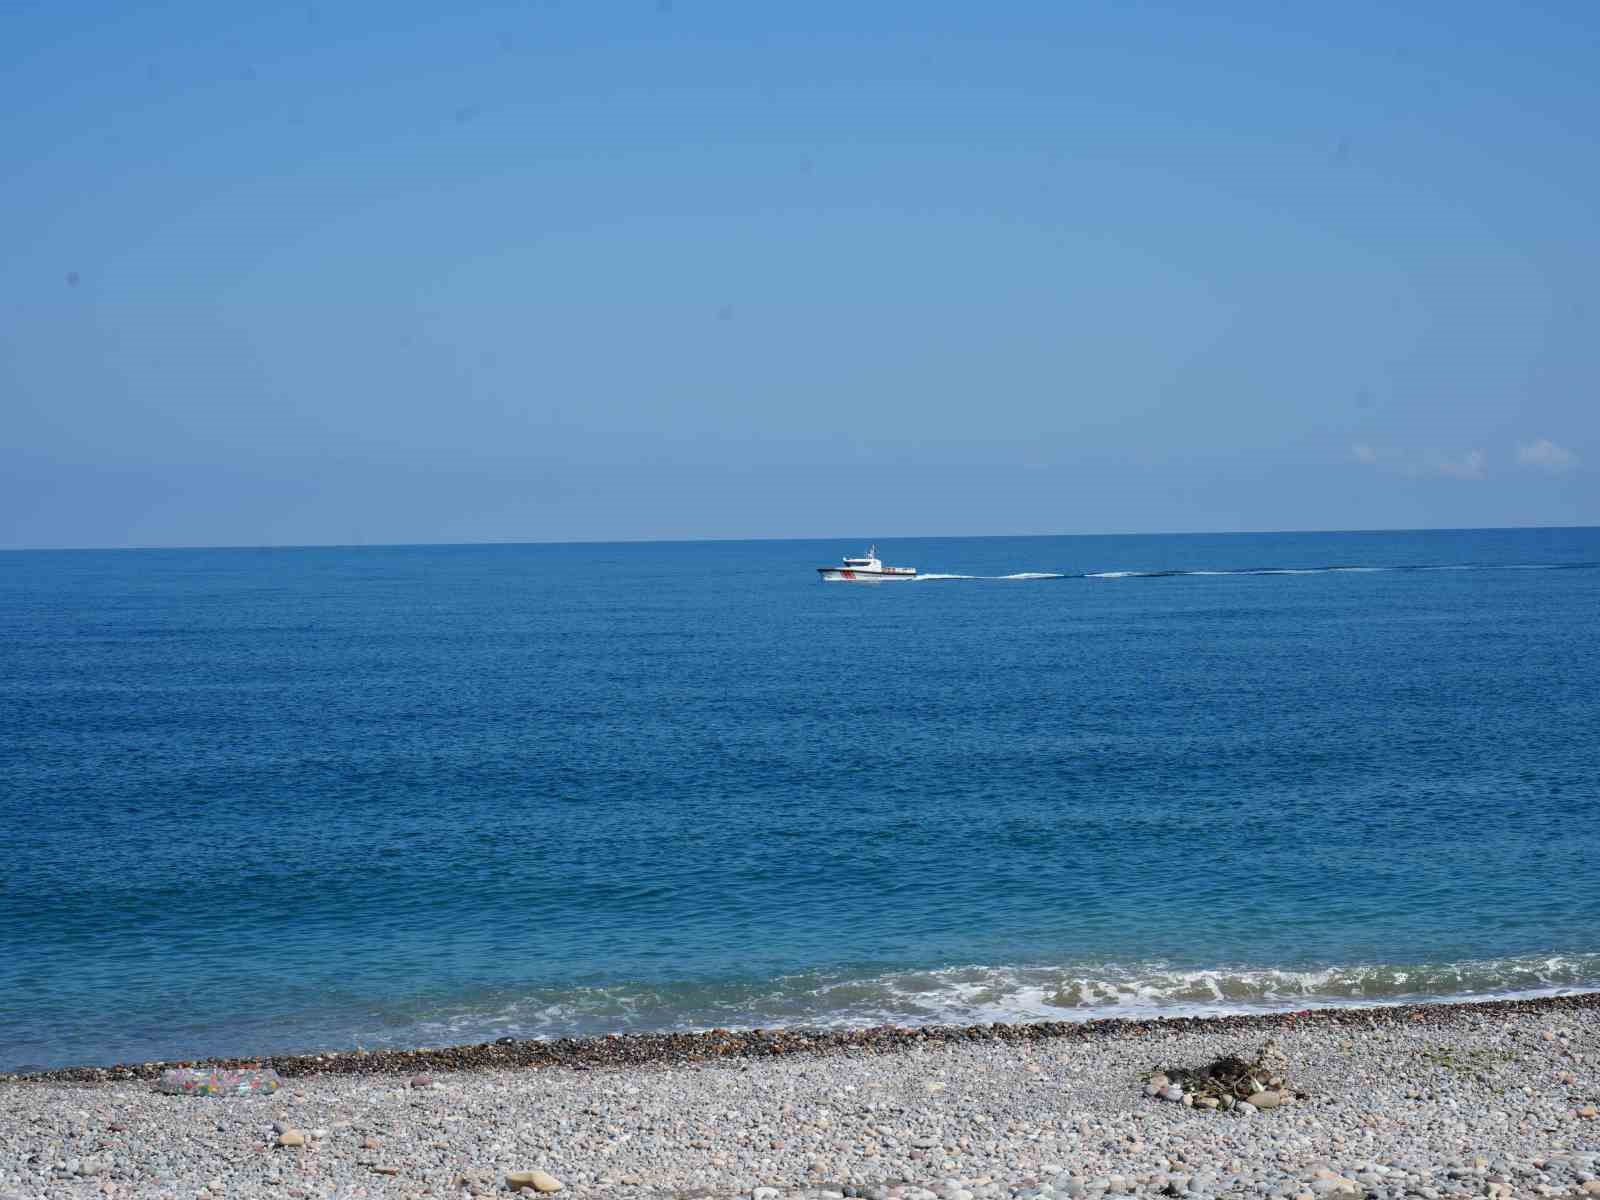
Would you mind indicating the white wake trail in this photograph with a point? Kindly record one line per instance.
(1019, 577)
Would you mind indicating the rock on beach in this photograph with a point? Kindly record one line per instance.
(1266, 1099)
(539, 1181)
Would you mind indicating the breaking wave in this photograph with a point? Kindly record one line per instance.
(972, 995)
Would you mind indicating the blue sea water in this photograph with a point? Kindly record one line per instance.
(264, 800)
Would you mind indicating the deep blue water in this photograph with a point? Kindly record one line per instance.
(262, 800)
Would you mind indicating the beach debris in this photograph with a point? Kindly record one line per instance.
(1227, 1082)
(539, 1181)
(291, 1137)
(218, 1081)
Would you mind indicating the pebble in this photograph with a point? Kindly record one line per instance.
(1013, 1117)
(539, 1181)
(1268, 1099)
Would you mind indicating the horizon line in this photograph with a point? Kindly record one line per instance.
(89, 549)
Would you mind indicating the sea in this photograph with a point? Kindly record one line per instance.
(258, 801)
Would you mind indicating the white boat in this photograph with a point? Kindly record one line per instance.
(866, 569)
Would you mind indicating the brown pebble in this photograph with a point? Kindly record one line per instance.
(372, 1143)
(291, 1137)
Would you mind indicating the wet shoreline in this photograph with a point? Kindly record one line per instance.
(679, 1048)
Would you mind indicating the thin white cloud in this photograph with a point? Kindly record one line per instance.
(1364, 453)
(1431, 464)
(1544, 455)
(1466, 466)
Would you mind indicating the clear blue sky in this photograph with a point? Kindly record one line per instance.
(554, 270)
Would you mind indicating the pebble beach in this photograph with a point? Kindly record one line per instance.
(1494, 1099)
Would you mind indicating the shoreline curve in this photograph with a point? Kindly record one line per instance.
(620, 1050)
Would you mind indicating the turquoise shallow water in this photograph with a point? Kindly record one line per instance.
(263, 800)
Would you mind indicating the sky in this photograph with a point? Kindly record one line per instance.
(562, 271)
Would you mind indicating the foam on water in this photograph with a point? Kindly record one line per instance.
(1257, 571)
(971, 995)
(929, 577)
(1020, 576)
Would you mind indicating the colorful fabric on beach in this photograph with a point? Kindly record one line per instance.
(186, 1081)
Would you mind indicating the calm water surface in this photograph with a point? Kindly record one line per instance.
(264, 800)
